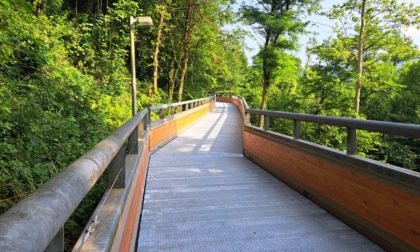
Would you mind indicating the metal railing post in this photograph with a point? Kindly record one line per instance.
(117, 169)
(266, 122)
(247, 118)
(133, 141)
(296, 129)
(147, 120)
(351, 141)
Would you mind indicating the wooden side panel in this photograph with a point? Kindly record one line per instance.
(234, 101)
(224, 99)
(135, 199)
(169, 129)
(238, 105)
(386, 208)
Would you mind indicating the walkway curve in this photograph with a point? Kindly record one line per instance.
(203, 195)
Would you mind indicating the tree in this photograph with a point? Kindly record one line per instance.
(278, 22)
(373, 33)
(188, 26)
(326, 83)
(163, 14)
(360, 57)
(64, 79)
(401, 106)
(191, 41)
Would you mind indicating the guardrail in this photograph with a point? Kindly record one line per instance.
(36, 222)
(174, 118)
(352, 125)
(379, 200)
(179, 107)
(401, 129)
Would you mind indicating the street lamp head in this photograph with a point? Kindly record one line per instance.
(144, 20)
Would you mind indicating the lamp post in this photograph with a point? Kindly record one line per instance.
(133, 21)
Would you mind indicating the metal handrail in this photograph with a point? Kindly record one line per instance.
(244, 103)
(36, 222)
(171, 105)
(179, 105)
(402, 129)
(32, 224)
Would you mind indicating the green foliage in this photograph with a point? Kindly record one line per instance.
(278, 22)
(380, 44)
(193, 34)
(65, 81)
(65, 78)
(390, 87)
(59, 96)
(251, 89)
(388, 90)
(402, 106)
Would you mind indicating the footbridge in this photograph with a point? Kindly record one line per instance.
(198, 176)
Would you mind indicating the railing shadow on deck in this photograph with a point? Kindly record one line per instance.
(379, 200)
(36, 223)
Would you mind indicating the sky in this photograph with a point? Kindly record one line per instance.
(322, 25)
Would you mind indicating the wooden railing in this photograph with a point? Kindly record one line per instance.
(379, 200)
(36, 223)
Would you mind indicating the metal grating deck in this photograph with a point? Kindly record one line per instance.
(203, 195)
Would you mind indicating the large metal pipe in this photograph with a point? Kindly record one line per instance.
(33, 223)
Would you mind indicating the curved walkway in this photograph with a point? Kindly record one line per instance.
(203, 195)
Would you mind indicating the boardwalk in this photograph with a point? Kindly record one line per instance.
(203, 195)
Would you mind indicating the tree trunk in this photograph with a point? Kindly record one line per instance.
(186, 43)
(266, 76)
(77, 22)
(155, 58)
(171, 77)
(360, 59)
(183, 72)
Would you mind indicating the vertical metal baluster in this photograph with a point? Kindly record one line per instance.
(133, 141)
(117, 164)
(351, 141)
(296, 130)
(266, 122)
